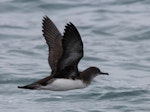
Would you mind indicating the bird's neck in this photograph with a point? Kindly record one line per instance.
(86, 78)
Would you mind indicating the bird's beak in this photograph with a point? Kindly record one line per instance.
(103, 73)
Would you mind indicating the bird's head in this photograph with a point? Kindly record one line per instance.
(96, 71)
(91, 72)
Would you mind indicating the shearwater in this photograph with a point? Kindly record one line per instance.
(65, 52)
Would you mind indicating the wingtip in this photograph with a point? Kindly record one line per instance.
(68, 26)
(45, 18)
(71, 23)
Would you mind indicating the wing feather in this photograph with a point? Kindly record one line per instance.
(54, 41)
(72, 53)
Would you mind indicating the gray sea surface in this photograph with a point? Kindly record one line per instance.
(116, 37)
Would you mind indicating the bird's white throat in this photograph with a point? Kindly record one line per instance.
(64, 84)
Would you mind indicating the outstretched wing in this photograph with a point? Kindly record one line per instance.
(72, 53)
(54, 41)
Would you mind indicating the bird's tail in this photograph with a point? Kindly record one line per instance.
(31, 86)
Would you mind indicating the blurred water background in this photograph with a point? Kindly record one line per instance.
(116, 36)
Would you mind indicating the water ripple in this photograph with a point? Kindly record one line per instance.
(115, 34)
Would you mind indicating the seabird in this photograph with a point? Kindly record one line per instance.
(65, 52)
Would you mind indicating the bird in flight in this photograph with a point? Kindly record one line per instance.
(65, 52)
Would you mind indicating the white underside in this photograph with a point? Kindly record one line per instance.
(64, 84)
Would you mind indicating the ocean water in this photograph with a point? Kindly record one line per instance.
(116, 37)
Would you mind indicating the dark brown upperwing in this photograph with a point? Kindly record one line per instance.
(54, 41)
(72, 53)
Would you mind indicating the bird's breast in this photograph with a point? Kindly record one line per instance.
(64, 84)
